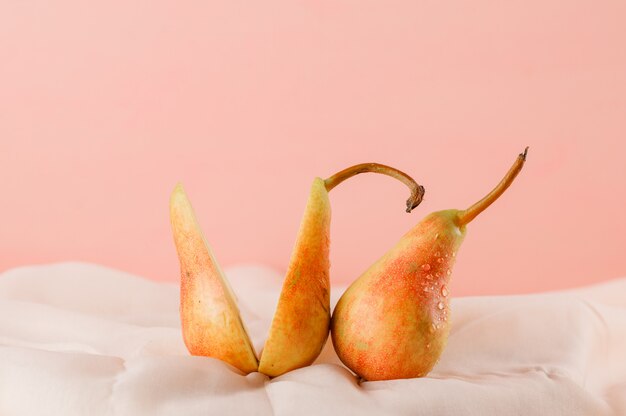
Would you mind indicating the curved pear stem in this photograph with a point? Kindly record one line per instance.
(417, 191)
(469, 214)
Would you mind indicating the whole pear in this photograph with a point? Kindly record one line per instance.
(393, 321)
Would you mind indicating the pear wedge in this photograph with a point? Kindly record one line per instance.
(211, 323)
(301, 322)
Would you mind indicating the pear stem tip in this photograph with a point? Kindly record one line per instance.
(417, 190)
(523, 155)
(415, 199)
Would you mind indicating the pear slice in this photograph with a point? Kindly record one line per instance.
(211, 322)
(301, 322)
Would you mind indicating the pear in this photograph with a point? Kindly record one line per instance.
(210, 319)
(301, 322)
(209, 315)
(393, 321)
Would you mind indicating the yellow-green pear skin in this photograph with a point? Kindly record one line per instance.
(301, 322)
(210, 319)
(393, 321)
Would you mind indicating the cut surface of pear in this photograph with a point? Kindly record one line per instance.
(301, 323)
(210, 318)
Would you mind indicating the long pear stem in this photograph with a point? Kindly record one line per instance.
(417, 191)
(469, 214)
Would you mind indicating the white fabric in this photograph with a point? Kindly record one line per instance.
(79, 339)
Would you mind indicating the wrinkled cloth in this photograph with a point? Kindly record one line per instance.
(81, 339)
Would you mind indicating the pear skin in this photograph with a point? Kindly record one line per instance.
(210, 319)
(393, 321)
(301, 322)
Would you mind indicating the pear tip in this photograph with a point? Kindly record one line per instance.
(179, 188)
(178, 193)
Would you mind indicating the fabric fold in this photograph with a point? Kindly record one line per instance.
(79, 339)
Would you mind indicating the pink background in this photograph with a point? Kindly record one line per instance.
(104, 106)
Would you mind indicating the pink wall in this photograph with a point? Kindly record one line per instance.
(104, 106)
